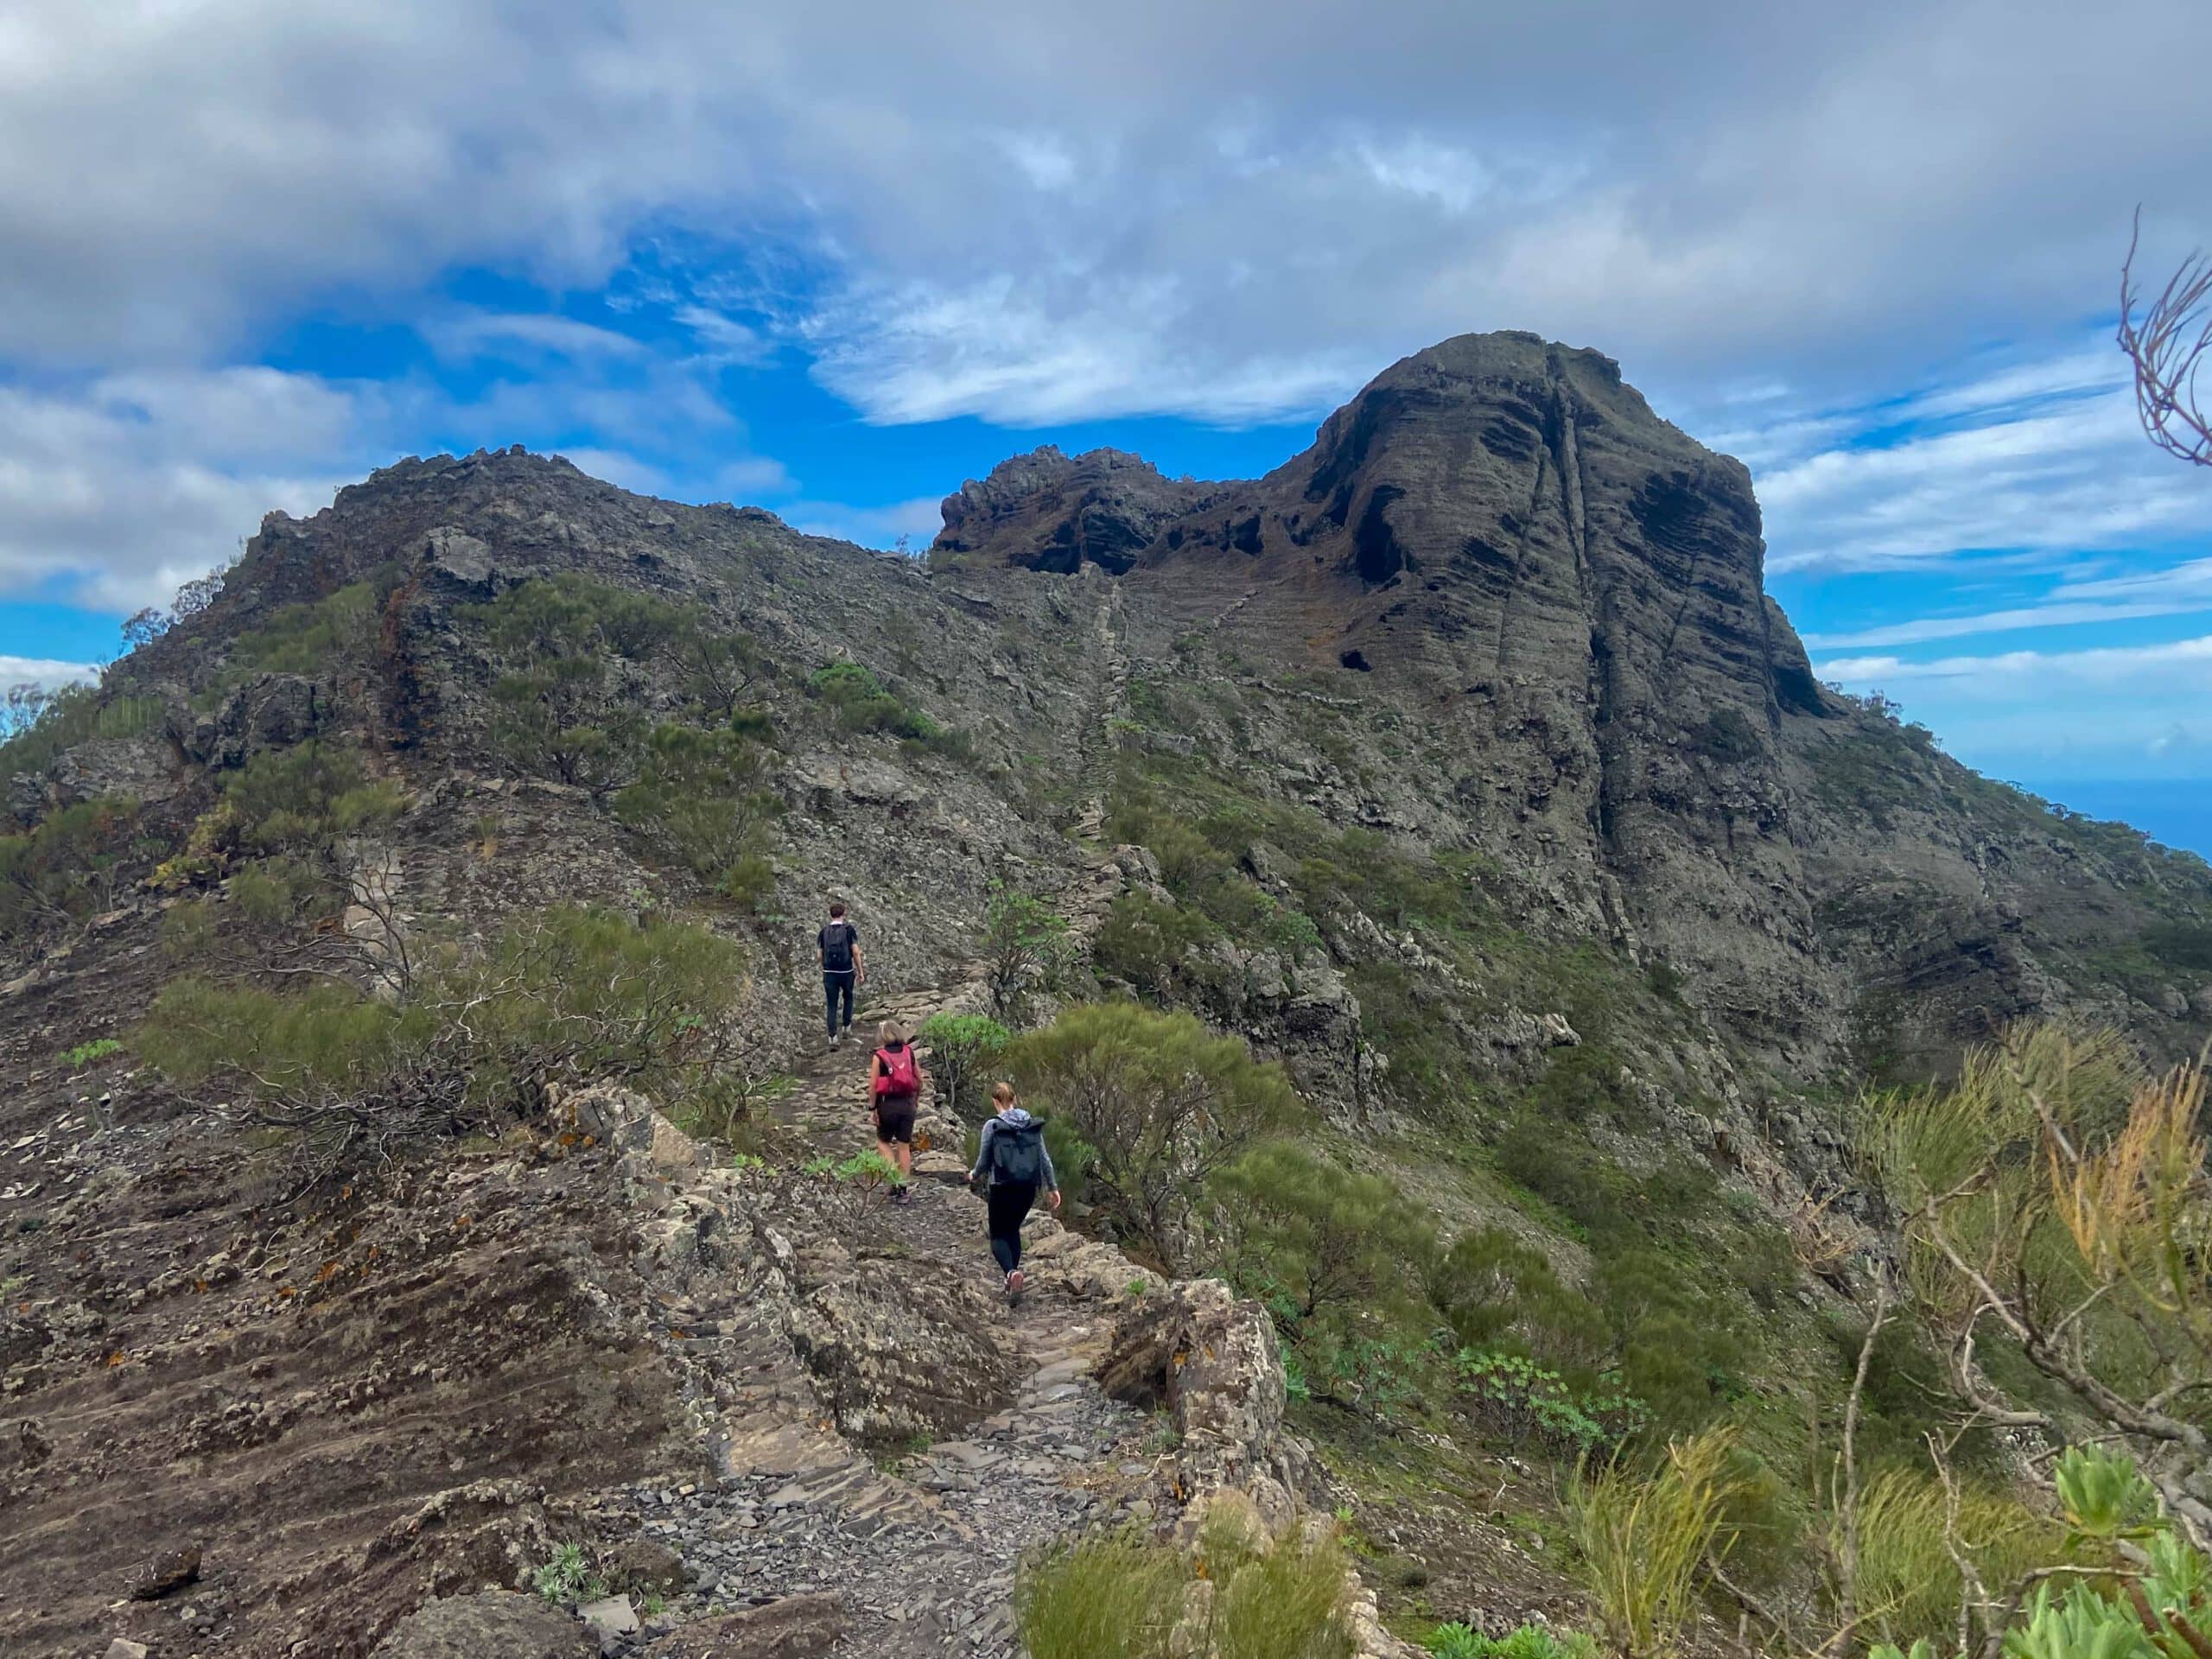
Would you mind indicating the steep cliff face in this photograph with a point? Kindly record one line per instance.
(1560, 596)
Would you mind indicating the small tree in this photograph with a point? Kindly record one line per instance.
(55, 876)
(1024, 939)
(963, 1049)
(1314, 1238)
(25, 704)
(1165, 1104)
(197, 594)
(700, 794)
(143, 627)
(721, 669)
(570, 650)
(2087, 1253)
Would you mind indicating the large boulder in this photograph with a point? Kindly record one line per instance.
(490, 1624)
(1209, 1360)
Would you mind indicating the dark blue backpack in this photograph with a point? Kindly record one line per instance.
(1018, 1154)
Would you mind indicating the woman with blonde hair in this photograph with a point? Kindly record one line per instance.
(894, 1087)
(1012, 1155)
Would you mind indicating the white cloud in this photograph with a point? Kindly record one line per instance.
(923, 353)
(725, 339)
(2076, 478)
(134, 484)
(2171, 664)
(1711, 191)
(749, 477)
(115, 490)
(43, 671)
(917, 519)
(2175, 590)
(499, 333)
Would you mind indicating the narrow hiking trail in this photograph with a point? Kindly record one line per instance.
(919, 1540)
(1098, 742)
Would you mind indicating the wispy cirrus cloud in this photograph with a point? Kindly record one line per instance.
(2044, 456)
(2098, 666)
(2183, 589)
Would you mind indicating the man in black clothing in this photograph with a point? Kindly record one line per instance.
(838, 946)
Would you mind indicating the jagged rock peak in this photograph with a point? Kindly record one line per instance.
(1049, 511)
(1423, 426)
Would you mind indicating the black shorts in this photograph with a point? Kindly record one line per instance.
(894, 1120)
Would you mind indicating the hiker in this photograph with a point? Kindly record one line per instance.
(894, 1087)
(838, 948)
(1013, 1153)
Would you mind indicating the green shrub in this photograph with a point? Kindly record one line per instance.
(1641, 1540)
(964, 1049)
(1310, 1238)
(1114, 1598)
(1493, 1288)
(1154, 947)
(1024, 949)
(750, 883)
(860, 702)
(307, 639)
(1581, 1085)
(569, 993)
(1522, 1401)
(1287, 1603)
(569, 649)
(280, 1044)
(99, 1048)
(721, 672)
(67, 869)
(567, 1576)
(1164, 1103)
(306, 797)
(1457, 1640)
(701, 795)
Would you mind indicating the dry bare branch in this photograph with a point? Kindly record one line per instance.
(2167, 347)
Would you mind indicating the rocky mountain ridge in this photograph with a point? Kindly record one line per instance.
(1461, 764)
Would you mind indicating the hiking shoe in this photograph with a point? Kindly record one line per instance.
(1014, 1286)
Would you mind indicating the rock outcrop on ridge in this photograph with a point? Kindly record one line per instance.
(1556, 597)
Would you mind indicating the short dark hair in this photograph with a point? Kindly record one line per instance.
(836, 908)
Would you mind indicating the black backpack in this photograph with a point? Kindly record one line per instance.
(838, 947)
(1018, 1153)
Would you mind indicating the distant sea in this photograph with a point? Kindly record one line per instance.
(2176, 811)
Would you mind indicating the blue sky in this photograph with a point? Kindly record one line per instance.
(835, 261)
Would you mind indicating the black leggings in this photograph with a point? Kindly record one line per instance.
(835, 985)
(1008, 1204)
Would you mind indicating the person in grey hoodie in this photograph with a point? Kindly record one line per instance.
(1013, 1157)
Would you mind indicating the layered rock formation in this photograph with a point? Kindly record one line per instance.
(1560, 596)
